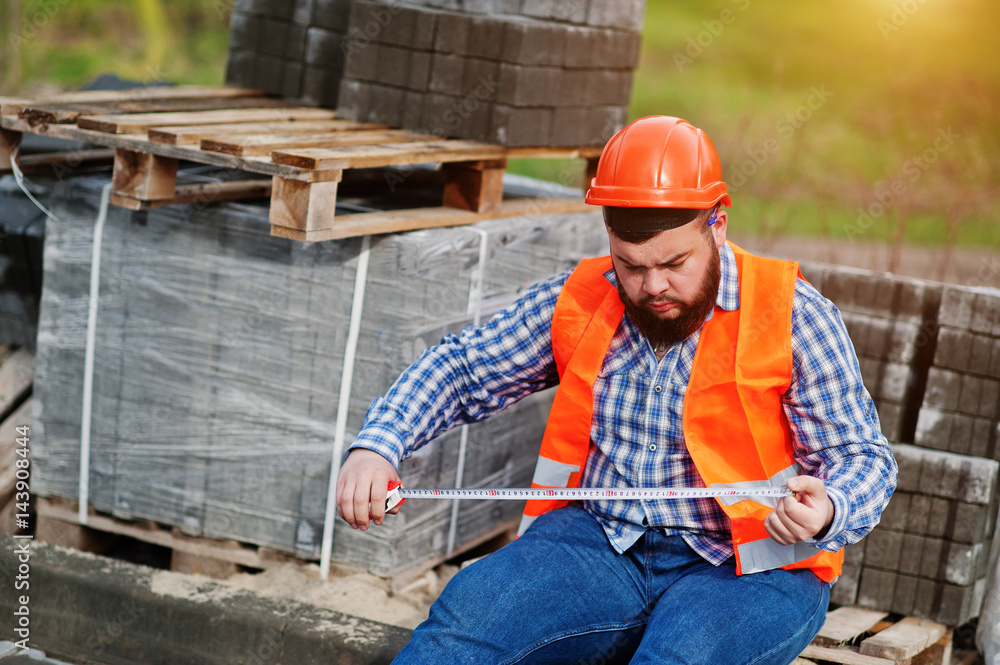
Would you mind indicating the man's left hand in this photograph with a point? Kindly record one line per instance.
(801, 516)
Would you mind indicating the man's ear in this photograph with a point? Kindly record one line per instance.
(719, 228)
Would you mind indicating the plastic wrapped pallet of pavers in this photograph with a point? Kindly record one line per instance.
(218, 358)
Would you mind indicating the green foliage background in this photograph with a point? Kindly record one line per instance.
(896, 75)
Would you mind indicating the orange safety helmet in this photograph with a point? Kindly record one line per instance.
(659, 162)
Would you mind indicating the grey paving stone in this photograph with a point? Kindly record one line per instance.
(933, 428)
(969, 525)
(523, 85)
(295, 43)
(883, 549)
(569, 11)
(292, 80)
(855, 554)
(332, 14)
(961, 433)
(896, 380)
(243, 31)
(937, 523)
(876, 589)
(845, 590)
(413, 103)
(272, 36)
(354, 98)
(989, 398)
(363, 65)
(994, 367)
(393, 66)
(987, 303)
(890, 416)
(481, 79)
(302, 14)
(911, 553)
(894, 515)
(320, 87)
(513, 126)
(953, 349)
(904, 595)
(452, 34)
(486, 37)
(446, 71)
(531, 42)
(385, 105)
(979, 355)
(942, 389)
(324, 48)
(956, 306)
(981, 437)
(920, 511)
(625, 14)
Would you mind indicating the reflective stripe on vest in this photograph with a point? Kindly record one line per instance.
(734, 426)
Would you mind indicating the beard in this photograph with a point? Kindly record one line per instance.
(663, 332)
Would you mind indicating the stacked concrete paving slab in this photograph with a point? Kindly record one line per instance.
(892, 322)
(513, 80)
(926, 356)
(218, 364)
(929, 555)
(961, 408)
(512, 72)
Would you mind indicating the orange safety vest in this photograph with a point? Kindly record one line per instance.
(734, 427)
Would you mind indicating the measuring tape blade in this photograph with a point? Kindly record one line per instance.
(398, 494)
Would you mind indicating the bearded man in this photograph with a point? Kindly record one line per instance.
(681, 361)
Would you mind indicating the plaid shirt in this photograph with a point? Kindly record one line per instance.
(636, 434)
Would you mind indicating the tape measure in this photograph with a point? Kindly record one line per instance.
(398, 495)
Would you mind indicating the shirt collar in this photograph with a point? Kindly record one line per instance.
(728, 297)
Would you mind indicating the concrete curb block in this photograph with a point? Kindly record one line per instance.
(87, 607)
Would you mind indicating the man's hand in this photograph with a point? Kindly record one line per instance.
(363, 480)
(801, 516)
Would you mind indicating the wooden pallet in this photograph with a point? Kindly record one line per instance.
(17, 371)
(857, 636)
(305, 152)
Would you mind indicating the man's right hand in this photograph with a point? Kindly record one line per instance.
(364, 480)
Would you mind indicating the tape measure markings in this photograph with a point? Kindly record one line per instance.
(398, 494)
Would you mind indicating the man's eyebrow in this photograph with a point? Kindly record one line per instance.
(673, 258)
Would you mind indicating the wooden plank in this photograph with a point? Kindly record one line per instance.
(140, 123)
(939, 653)
(222, 550)
(16, 375)
(476, 186)
(10, 142)
(389, 155)
(845, 623)
(844, 655)
(262, 165)
(8, 449)
(70, 113)
(904, 639)
(11, 105)
(193, 135)
(200, 194)
(304, 207)
(394, 221)
(257, 145)
(141, 175)
(554, 153)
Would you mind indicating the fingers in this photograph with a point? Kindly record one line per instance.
(362, 488)
(801, 516)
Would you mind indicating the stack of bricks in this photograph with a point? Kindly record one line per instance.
(892, 323)
(961, 408)
(929, 555)
(512, 72)
(290, 48)
(507, 79)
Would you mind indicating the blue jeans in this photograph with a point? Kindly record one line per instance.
(561, 594)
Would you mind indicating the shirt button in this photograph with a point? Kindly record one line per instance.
(652, 446)
(658, 388)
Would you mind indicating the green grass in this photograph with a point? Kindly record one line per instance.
(892, 90)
